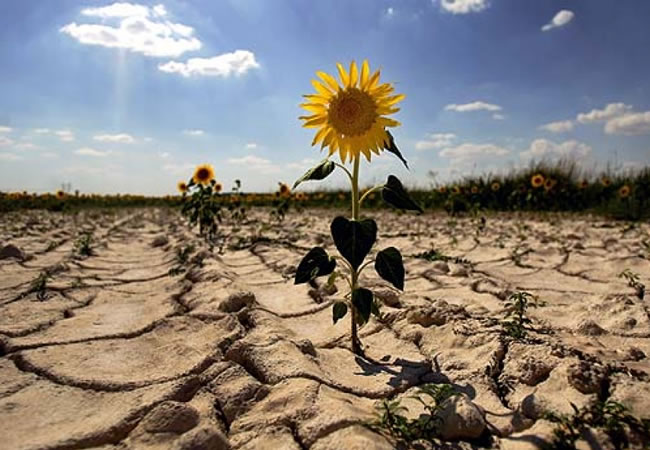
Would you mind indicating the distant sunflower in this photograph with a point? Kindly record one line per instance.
(456, 190)
(182, 187)
(606, 181)
(584, 184)
(60, 194)
(442, 189)
(474, 189)
(218, 187)
(495, 186)
(284, 190)
(549, 184)
(624, 191)
(301, 197)
(203, 174)
(350, 117)
(537, 180)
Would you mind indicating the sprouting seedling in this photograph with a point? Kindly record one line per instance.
(83, 245)
(351, 121)
(39, 285)
(516, 313)
(182, 257)
(633, 280)
(435, 255)
(426, 426)
(610, 416)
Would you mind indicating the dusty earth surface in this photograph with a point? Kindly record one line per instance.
(116, 353)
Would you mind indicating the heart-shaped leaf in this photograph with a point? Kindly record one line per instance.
(319, 172)
(391, 147)
(354, 239)
(395, 195)
(316, 263)
(390, 267)
(339, 311)
(362, 301)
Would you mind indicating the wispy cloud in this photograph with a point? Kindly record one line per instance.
(470, 152)
(561, 19)
(5, 141)
(601, 115)
(435, 141)
(255, 163)
(543, 148)
(119, 138)
(562, 126)
(473, 106)
(5, 129)
(194, 132)
(65, 135)
(632, 124)
(5, 156)
(87, 151)
(225, 65)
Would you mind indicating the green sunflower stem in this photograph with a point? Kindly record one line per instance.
(356, 344)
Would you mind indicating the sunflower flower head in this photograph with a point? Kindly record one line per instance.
(549, 184)
(351, 116)
(605, 181)
(584, 184)
(60, 194)
(496, 186)
(203, 174)
(537, 180)
(442, 189)
(474, 189)
(218, 187)
(624, 191)
(284, 190)
(182, 187)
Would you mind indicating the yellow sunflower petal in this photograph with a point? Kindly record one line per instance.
(329, 79)
(354, 75)
(343, 74)
(319, 135)
(372, 82)
(315, 122)
(365, 73)
(321, 89)
(329, 138)
(395, 99)
(313, 98)
(316, 107)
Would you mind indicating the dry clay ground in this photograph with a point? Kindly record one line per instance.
(230, 354)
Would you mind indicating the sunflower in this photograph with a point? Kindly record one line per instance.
(182, 187)
(549, 184)
(301, 197)
(351, 116)
(442, 189)
(456, 190)
(284, 190)
(624, 191)
(203, 174)
(606, 181)
(495, 186)
(583, 184)
(218, 187)
(537, 180)
(60, 194)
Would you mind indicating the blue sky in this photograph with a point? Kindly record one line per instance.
(128, 97)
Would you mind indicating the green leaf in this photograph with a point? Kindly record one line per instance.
(395, 195)
(339, 311)
(354, 239)
(391, 147)
(319, 172)
(316, 263)
(390, 267)
(362, 301)
(374, 309)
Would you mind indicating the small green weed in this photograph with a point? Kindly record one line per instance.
(633, 281)
(516, 313)
(83, 245)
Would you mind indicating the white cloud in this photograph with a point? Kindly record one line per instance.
(148, 139)
(137, 31)
(194, 132)
(629, 124)
(389, 12)
(117, 10)
(561, 19)
(65, 135)
(165, 155)
(601, 115)
(467, 152)
(26, 146)
(5, 141)
(497, 116)
(251, 145)
(184, 169)
(236, 63)
(541, 148)
(303, 165)
(49, 155)
(435, 140)
(5, 130)
(563, 126)
(42, 130)
(255, 163)
(121, 138)
(463, 6)
(9, 157)
(474, 106)
(87, 151)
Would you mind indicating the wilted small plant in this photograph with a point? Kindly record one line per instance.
(435, 255)
(426, 426)
(182, 257)
(351, 121)
(83, 245)
(516, 308)
(201, 207)
(633, 281)
(281, 202)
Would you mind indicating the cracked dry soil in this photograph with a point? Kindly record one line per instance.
(118, 354)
